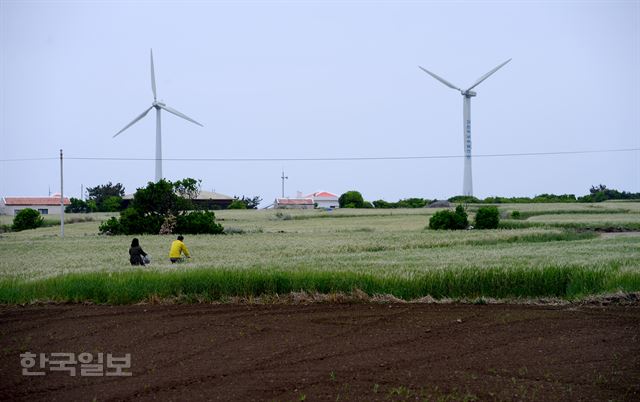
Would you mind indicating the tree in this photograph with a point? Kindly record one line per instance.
(159, 199)
(101, 193)
(188, 188)
(351, 199)
(79, 206)
(383, 204)
(27, 219)
(251, 202)
(112, 203)
(413, 203)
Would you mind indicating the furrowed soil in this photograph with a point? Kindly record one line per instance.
(318, 352)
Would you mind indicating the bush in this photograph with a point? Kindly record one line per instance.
(27, 219)
(515, 215)
(237, 204)
(487, 218)
(449, 220)
(133, 221)
(198, 222)
(110, 226)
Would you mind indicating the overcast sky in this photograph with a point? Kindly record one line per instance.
(321, 79)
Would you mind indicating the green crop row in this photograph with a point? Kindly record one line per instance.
(568, 282)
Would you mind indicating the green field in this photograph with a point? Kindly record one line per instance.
(557, 251)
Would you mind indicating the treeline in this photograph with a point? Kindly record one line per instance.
(102, 198)
(405, 203)
(597, 193)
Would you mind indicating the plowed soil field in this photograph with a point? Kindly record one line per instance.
(360, 351)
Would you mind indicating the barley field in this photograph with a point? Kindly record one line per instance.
(553, 252)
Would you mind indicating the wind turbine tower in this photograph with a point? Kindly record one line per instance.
(467, 94)
(158, 106)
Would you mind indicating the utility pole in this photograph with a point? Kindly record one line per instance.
(61, 198)
(283, 179)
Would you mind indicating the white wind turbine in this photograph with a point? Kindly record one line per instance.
(467, 185)
(158, 106)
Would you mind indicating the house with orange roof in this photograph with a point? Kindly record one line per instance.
(45, 205)
(324, 199)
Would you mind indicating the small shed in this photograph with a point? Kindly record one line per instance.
(324, 199)
(294, 203)
(212, 200)
(45, 205)
(440, 204)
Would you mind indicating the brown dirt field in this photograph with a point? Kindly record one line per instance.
(361, 352)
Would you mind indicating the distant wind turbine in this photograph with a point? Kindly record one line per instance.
(158, 106)
(467, 184)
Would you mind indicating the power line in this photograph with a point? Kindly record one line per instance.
(348, 158)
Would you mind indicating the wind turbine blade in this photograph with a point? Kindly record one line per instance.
(184, 116)
(153, 78)
(134, 121)
(484, 77)
(442, 80)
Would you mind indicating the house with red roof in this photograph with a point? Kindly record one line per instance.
(324, 199)
(44, 205)
(319, 199)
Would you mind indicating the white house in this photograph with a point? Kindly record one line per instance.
(294, 203)
(324, 199)
(44, 205)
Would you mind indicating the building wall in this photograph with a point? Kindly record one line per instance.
(327, 203)
(294, 206)
(12, 210)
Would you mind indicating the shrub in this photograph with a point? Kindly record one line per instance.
(237, 204)
(450, 220)
(487, 218)
(27, 219)
(133, 221)
(515, 215)
(198, 222)
(110, 226)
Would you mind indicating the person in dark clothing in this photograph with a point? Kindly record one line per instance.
(136, 253)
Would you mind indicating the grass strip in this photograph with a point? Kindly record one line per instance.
(580, 226)
(529, 214)
(570, 282)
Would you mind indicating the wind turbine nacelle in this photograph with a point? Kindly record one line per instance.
(468, 94)
(158, 105)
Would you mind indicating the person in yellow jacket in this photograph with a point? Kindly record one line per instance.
(177, 249)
